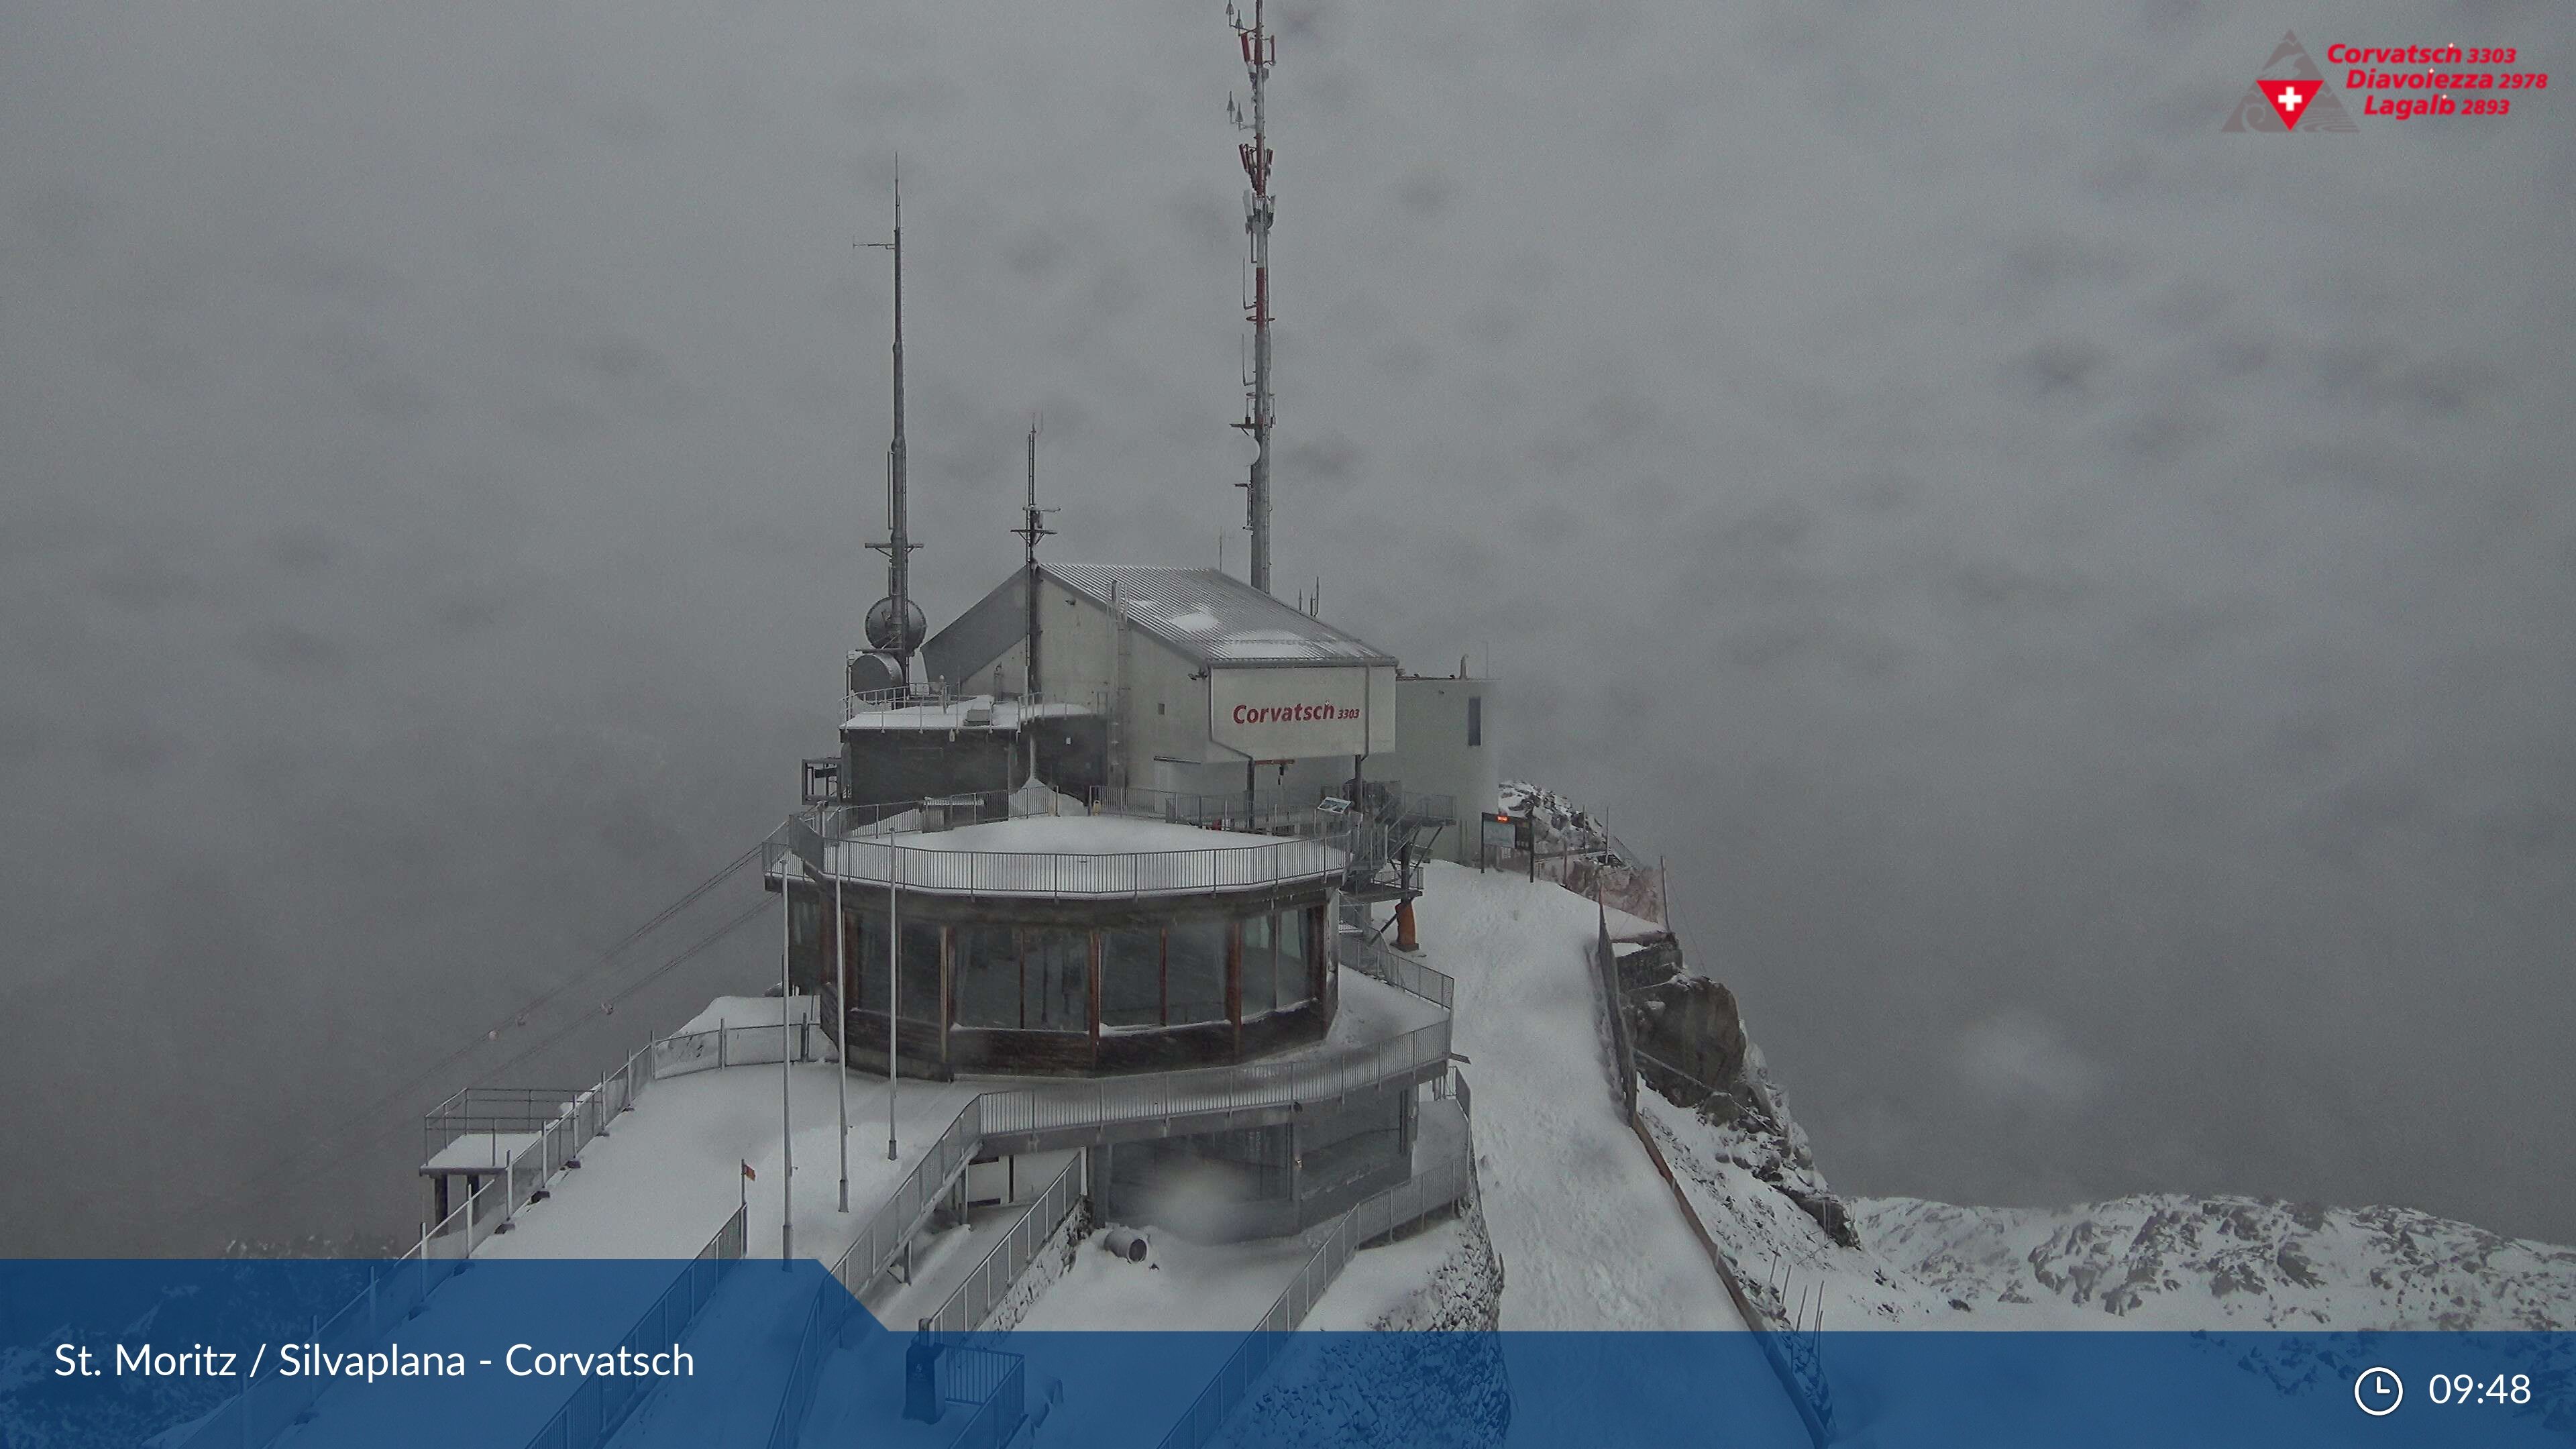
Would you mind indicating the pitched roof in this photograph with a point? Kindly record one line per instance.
(1215, 618)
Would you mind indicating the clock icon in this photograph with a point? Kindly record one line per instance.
(2378, 1391)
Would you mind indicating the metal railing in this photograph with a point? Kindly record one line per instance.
(740, 1046)
(599, 1405)
(990, 1280)
(267, 1407)
(880, 862)
(990, 1382)
(823, 1319)
(1424, 1193)
(1263, 809)
(996, 1383)
(1235, 810)
(923, 696)
(539, 1150)
(1110, 1102)
(1376, 959)
(902, 1213)
(1623, 1052)
(1202, 1091)
(497, 1111)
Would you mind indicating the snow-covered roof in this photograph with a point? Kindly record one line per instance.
(1073, 856)
(1082, 835)
(1214, 618)
(957, 714)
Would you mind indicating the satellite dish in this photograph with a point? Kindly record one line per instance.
(872, 673)
(881, 630)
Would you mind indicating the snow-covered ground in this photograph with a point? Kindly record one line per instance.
(740, 1011)
(1181, 1286)
(669, 1173)
(1589, 1234)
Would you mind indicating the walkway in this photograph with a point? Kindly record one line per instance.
(1589, 1233)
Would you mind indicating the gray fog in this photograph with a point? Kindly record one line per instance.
(2085, 603)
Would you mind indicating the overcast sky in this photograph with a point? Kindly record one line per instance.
(2086, 603)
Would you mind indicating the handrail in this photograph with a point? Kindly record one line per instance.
(1373, 959)
(869, 701)
(1374, 1217)
(984, 1285)
(893, 1223)
(600, 1404)
(1027, 1112)
(1247, 866)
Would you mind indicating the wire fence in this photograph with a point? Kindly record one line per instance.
(1448, 1183)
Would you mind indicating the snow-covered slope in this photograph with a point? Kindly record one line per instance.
(1589, 1235)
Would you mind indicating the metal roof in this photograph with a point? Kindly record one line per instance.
(1215, 618)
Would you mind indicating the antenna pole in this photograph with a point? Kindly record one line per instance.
(898, 636)
(1032, 528)
(1260, 51)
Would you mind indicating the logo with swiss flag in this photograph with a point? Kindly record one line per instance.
(2289, 95)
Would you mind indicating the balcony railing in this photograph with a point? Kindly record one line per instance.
(881, 863)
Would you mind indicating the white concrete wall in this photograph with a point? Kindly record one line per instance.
(1432, 756)
(1165, 735)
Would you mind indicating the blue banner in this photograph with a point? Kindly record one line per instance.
(232, 1355)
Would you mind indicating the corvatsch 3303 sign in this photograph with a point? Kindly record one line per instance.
(1290, 714)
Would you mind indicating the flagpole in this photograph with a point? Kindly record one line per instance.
(786, 1080)
(841, 1000)
(894, 981)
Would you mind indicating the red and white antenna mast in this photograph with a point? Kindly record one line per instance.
(1260, 52)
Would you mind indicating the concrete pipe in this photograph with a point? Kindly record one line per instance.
(1125, 1243)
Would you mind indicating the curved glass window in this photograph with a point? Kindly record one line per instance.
(868, 961)
(1131, 978)
(917, 975)
(919, 978)
(1194, 964)
(1296, 976)
(988, 976)
(1055, 980)
(1259, 969)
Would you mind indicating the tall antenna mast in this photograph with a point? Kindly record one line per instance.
(884, 631)
(1260, 52)
(1032, 528)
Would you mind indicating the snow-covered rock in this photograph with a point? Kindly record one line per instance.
(2167, 1260)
